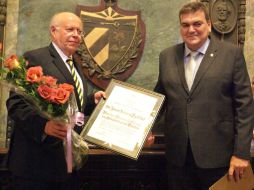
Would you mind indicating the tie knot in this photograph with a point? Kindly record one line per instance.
(194, 54)
(69, 60)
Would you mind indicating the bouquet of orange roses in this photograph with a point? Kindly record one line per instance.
(42, 90)
(50, 99)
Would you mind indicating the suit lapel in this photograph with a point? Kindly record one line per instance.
(58, 62)
(206, 62)
(180, 65)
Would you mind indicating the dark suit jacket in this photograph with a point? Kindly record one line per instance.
(29, 155)
(216, 115)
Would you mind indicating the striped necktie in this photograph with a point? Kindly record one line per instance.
(75, 78)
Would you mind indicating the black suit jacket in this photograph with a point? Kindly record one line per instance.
(30, 156)
(216, 115)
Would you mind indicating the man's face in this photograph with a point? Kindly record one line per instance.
(222, 12)
(194, 29)
(67, 35)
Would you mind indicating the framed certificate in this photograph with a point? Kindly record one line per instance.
(122, 122)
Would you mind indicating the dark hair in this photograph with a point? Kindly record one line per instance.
(194, 7)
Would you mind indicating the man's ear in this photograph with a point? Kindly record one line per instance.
(52, 30)
(209, 25)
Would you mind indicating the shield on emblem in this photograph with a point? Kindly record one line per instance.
(112, 44)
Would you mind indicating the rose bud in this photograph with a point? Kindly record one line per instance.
(12, 62)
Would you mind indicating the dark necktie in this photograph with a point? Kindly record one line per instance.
(75, 78)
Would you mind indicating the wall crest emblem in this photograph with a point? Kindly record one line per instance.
(113, 42)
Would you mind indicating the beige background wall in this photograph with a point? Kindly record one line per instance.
(27, 28)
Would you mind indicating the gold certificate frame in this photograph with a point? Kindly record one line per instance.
(122, 122)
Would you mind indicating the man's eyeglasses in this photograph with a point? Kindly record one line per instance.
(74, 31)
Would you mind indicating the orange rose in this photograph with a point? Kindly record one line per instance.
(12, 62)
(34, 74)
(49, 80)
(61, 96)
(46, 92)
(67, 87)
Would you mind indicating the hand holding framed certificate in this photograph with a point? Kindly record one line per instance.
(122, 122)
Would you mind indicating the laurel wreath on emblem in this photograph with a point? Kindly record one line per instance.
(123, 64)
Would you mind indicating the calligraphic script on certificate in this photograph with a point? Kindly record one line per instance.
(122, 122)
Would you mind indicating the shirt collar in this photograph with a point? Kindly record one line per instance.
(201, 50)
(60, 52)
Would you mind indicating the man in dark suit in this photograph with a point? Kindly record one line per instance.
(36, 155)
(208, 109)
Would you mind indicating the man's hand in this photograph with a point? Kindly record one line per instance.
(56, 129)
(237, 167)
(98, 95)
(149, 140)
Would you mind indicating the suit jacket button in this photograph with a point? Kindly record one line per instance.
(189, 100)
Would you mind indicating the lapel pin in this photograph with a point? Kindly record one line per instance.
(211, 55)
